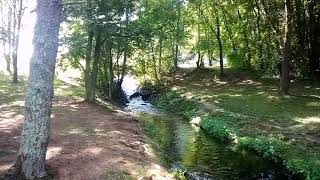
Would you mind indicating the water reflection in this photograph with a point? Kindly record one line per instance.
(178, 145)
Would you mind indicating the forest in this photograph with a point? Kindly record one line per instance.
(160, 89)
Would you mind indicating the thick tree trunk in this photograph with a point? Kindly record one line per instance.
(285, 66)
(95, 67)
(314, 41)
(35, 134)
(87, 72)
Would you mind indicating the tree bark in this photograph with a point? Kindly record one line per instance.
(95, 67)
(87, 72)
(125, 55)
(9, 36)
(220, 46)
(16, 43)
(38, 105)
(285, 66)
(314, 34)
(111, 75)
(260, 45)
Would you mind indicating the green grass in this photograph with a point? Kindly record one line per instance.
(10, 92)
(249, 112)
(63, 89)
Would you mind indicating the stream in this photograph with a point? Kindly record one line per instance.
(180, 146)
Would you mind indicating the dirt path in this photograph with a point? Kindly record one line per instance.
(87, 142)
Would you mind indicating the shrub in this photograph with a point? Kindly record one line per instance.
(216, 128)
(271, 147)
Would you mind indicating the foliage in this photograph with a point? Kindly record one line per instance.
(235, 61)
(270, 147)
(215, 127)
(309, 168)
(179, 175)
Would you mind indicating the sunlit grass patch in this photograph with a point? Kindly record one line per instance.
(63, 89)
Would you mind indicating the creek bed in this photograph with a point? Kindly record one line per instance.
(179, 146)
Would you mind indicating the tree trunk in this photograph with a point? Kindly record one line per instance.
(160, 55)
(285, 66)
(246, 40)
(234, 47)
(154, 62)
(314, 41)
(8, 55)
(176, 56)
(198, 45)
(124, 67)
(35, 133)
(87, 72)
(220, 46)
(111, 75)
(177, 36)
(95, 67)
(125, 56)
(260, 45)
(16, 43)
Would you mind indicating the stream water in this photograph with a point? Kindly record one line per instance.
(180, 146)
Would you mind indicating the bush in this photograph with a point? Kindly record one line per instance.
(216, 128)
(271, 147)
(308, 168)
(236, 61)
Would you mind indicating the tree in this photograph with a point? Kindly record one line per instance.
(30, 162)
(18, 12)
(285, 66)
(11, 17)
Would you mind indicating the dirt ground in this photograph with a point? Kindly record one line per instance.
(86, 142)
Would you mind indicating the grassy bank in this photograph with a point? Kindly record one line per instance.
(248, 112)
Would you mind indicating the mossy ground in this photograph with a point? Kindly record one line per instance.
(248, 111)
